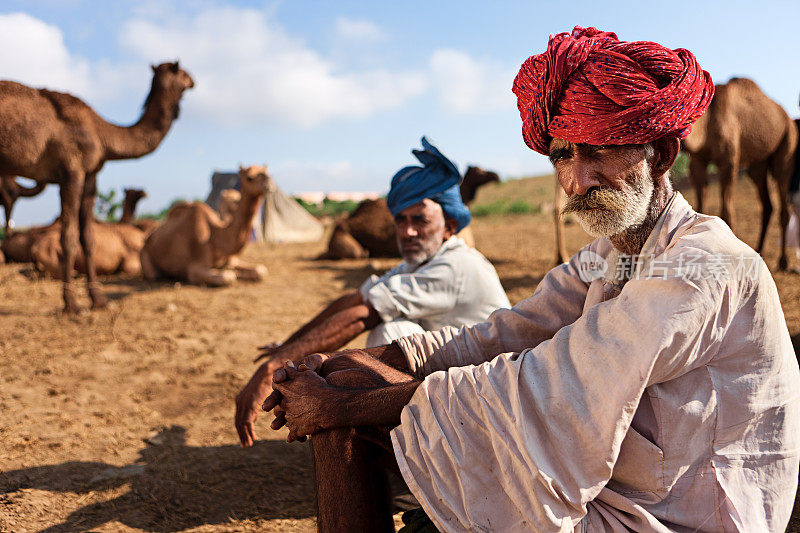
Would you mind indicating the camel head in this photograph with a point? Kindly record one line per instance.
(134, 195)
(255, 181)
(169, 82)
(473, 179)
(171, 77)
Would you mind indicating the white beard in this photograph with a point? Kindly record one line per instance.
(636, 201)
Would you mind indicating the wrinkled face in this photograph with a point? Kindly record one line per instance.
(609, 188)
(421, 230)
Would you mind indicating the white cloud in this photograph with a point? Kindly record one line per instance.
(298, 176)
(466, 85)
(34, 53)
(358, 30)
(247, 68)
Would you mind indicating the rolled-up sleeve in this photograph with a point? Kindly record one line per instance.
(557, 302)
(415, 295)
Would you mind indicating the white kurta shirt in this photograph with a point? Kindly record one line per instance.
(455, 287)
(669, 406)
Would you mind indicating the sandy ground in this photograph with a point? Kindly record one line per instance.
(122, 420)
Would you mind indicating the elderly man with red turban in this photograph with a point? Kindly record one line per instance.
(649, 384)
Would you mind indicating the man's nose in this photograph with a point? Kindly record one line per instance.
(582, 176)
(408, 230)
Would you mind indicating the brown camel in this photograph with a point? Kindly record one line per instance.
(56, 138)
(116, 250)
(17, 246)
(132, 198)
(117, 245)
(10, 191)
(474, 179)
(193, 244)
(744, 129)
(369, 231)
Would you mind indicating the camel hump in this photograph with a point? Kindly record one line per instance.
(12, 88)
(64, 104)
(745, 83)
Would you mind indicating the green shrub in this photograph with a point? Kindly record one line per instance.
(505, 207)
(329, 207)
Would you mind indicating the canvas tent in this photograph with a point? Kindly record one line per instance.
(280, 219)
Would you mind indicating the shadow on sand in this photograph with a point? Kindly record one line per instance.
(174, 486)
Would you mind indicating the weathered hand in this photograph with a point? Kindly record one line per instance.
(304, 397)
(250, 399)
(267, 350)
(313, 362)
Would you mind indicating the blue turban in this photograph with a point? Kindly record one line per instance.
(438, 180)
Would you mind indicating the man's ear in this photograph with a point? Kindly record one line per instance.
(450, 227)
(666, 151)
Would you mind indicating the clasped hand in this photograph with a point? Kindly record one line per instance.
(299, 398)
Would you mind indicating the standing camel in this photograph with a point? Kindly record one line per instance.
(744, 129)
(10, 191)
(54, 137)
(195, 245)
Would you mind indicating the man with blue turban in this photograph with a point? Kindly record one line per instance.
(441, 282)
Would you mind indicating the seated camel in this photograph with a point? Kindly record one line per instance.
(17, 246)
(116, 250)
(117, 244)
(195, 245)
(370, 231)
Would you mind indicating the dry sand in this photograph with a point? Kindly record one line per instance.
(122, 420)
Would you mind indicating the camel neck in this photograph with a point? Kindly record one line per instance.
(231, 239)
(128, 210)
(128, 142)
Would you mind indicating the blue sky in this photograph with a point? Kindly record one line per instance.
(333, 95)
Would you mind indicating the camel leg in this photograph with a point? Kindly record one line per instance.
(213, 277)
(758, 173)
(698, 171)
(783, 262)
(782, 166)
(727, 174)
(149, 269)
(8, 205)
(247, 271)
(561, 248)
(99, 300)
(70, 191)
(7, 209)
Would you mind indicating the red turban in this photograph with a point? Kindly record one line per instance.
(590, 87)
